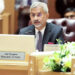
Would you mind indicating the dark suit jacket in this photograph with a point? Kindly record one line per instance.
(52, 32)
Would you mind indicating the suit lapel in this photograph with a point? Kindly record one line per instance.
(47, 34)
(31, 31)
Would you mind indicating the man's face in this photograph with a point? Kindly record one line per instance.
(38, 17)
(70, 15)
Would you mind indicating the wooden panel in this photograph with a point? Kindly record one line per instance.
(5, 23)
(13, 72)
(9, 8)
(0, 25)
(52, 10)
(73, 66)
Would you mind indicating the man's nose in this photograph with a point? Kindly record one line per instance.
(35, 17)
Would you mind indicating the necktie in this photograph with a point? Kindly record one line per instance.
(39, 42)
(29, 2)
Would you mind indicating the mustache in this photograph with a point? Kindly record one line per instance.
(36, 21)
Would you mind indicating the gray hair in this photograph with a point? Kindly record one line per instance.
(39, 4)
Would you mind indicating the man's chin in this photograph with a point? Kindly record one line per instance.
(37, 26)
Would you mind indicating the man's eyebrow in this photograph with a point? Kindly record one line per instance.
(32, 12)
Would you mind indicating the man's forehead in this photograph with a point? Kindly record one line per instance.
(70, 13)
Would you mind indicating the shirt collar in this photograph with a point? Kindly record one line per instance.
(42, 31)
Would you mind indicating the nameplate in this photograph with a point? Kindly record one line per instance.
(12, 55)
(51, 47)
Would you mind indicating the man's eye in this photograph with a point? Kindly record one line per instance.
(39, 14)
(72, 16)
(33, 15)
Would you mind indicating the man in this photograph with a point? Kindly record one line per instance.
(70, 13)
(48, 32)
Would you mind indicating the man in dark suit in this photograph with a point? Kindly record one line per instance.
(69, 13)
(41, 29)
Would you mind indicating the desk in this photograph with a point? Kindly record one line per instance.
(36, 66)
(14, 71)
(11, 68)
(5, 23)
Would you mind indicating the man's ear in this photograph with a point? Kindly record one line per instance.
(47, 15)
(29, 15)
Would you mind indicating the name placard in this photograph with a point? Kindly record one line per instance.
(15, 49)
(12, 55)
(51, 47)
